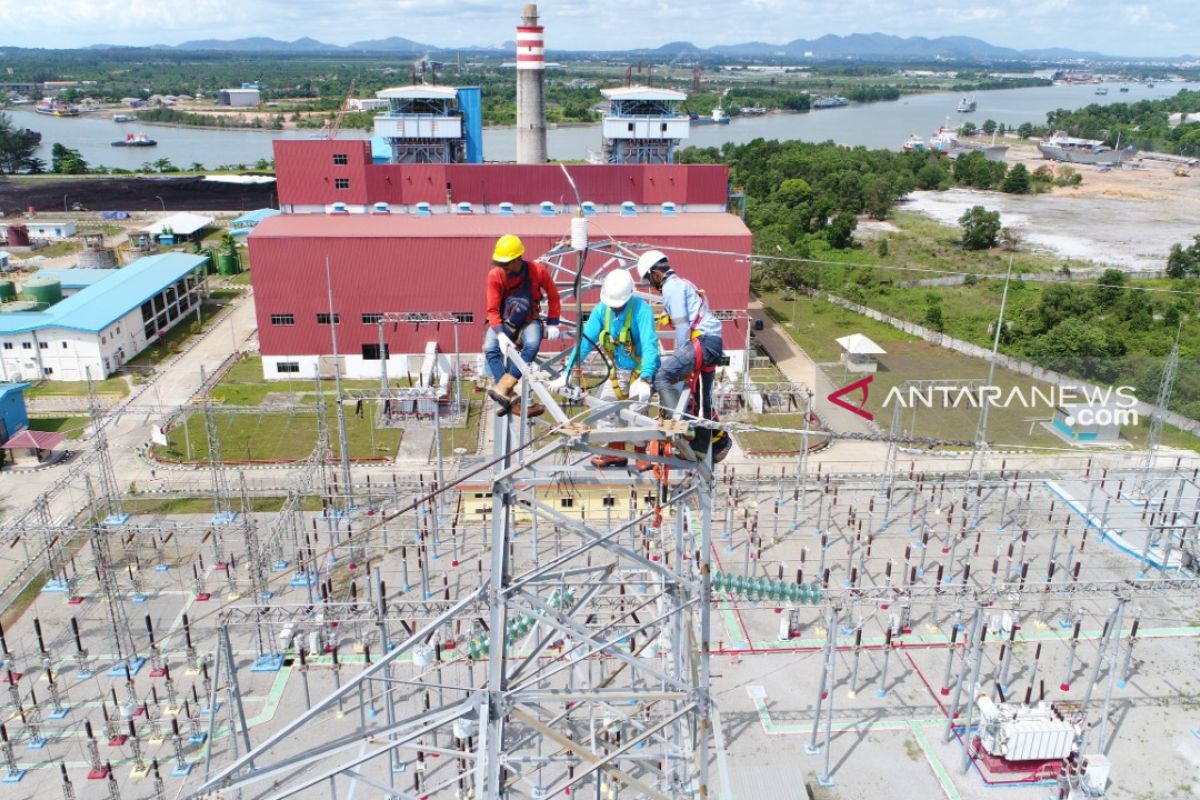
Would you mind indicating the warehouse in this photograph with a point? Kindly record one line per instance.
(101, 326)
(436, 264)
(239, 98)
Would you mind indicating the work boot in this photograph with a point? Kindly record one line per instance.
(502, 393)
(642, 464)
(722, 446)
(601, 462)
(531, 411)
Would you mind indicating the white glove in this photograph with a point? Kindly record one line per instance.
(552, 333)
(559, 383)
(639, 390)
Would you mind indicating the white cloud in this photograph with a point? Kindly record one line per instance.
(1153, 27)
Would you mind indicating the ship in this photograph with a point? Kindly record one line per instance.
(1061, 147)
(752, 111)
(135, 140)
(1124, 87)
(830, 102)
(717, 117)
(947, 142)
(56, 108)
(966, 105)
(1101, 90)
(914, 144)
(124, 118)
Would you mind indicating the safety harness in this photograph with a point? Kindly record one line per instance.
(623, 340)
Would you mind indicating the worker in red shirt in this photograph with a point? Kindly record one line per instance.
(515, 288)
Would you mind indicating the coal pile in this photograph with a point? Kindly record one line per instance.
(136, 194)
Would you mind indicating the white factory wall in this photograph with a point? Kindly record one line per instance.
(51, 230)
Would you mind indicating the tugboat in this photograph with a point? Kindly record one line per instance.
(718, 117)
(135, 140)
(966, 105)
(56, 108)
(836, 101)
(124, 118)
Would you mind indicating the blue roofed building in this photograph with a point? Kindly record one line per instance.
(13, 417)
(248, 221)
(103, 324)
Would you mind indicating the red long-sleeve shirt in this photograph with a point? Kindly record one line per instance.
(500, 284)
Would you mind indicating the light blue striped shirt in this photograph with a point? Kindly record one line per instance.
(683, 304)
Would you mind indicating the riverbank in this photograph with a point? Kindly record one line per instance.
(1125, 218)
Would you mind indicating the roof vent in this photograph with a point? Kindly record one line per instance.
(423, 209)
(506, 210)
(381, 208)
(547, 209)
(628, 209)
(588, 208)
(464, 208)
(669, 209)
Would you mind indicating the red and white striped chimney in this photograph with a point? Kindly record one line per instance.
(531, 104)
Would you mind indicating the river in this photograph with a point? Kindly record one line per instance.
(884, 124)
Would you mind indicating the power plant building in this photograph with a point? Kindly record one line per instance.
(437, 265)
(431, 124)
(643, 125)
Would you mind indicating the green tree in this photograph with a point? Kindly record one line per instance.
(17, 147)
(980, 228)
(934, 318)
(1109, 291)
(989, 127)
(1184, 261)
(841, 230)
(968, 129)
(1025, 130)
(1017, 181)
(932, 176)
(66, 161)
(1059, 302)
(793, 191)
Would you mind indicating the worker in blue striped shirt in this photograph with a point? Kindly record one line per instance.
(698, 348)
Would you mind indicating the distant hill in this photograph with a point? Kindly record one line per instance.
(880, 46)
(392, 44)
(260, 44)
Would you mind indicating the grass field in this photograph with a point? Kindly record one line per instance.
(71, 427)
(244, 384)
(116, 385)
(465, 437)
(204, 505)
(819, 323)
(280, 436)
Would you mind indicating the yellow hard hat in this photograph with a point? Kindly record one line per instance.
(508, 248)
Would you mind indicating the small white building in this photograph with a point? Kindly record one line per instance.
(1092, 423)
(368, 104)
(239, 98)
(103, 325)
(860, 354)
(181, 227)
(60, 229)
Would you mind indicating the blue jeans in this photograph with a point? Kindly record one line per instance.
(678, 367)
(530, 341)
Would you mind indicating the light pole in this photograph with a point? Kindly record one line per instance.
(64, 202)
(161, 201)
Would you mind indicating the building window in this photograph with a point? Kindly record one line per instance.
(323, 319)
(372, 319)
(283, 319)
(103, 340)
(465, 316)
(47, 370)
(370, 352)
(26, 345)
(341, 183)
(106, 365)
(44, 345)
(724, 314)
(610, 501)
(340, 159)
(287, 366)
(64, 344)
(566, 502)
(8, 346)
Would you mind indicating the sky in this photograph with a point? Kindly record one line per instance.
(1157, 28)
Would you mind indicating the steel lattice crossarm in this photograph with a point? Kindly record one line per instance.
(1176, 587)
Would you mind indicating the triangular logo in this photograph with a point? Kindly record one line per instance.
(835, 397)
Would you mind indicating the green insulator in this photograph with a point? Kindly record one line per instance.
(793, 592)
(718, 582)
(814, 593)
(739, 585)
(803, 593)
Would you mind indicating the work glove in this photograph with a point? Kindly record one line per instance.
(559, 383)
(639, 390)
(552, 333)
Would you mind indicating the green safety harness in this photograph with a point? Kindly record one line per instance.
(623, 340)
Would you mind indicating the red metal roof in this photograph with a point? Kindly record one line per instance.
(307, 175)
(34, 440)
(406, 263)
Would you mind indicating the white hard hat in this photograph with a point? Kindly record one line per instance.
(648, 260)
(617, 289)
